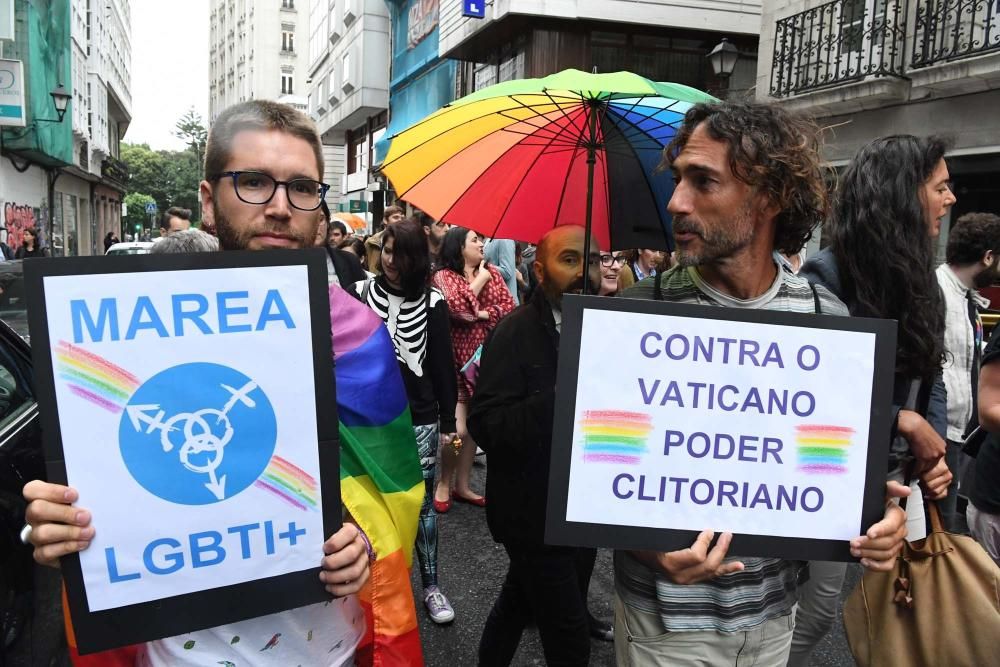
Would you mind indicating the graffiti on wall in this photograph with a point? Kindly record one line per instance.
(17, 218)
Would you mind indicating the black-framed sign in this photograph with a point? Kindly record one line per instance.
(190, 400)
(680, 418)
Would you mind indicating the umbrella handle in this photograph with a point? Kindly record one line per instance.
(588, 225)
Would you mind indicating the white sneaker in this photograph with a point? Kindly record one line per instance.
(438, 607)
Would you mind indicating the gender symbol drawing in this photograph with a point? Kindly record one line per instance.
(197, 433)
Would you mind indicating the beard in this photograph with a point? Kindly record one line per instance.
(554, 293)
(715, 245)
(987, 277)
(232, 238)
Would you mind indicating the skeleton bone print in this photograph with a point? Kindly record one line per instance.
(407, 325)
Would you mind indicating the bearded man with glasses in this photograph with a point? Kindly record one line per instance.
(255, 149)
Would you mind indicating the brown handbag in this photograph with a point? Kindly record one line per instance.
(939, 607)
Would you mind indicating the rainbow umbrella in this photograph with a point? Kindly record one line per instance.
(355, 222)
(518, 158)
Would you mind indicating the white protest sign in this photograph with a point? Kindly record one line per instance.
(12, 101)
(181, 397)
(687, 423)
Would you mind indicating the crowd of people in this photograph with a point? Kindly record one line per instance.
(476, 326)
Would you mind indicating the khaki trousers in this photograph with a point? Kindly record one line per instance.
(641, 641)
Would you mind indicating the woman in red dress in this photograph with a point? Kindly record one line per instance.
(477, 299)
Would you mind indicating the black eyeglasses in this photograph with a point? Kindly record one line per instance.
(608, 260)
(254, 187)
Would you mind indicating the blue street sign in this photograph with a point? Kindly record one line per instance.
(150, 208)
(474, 8)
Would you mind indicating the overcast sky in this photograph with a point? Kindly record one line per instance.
(169, 68)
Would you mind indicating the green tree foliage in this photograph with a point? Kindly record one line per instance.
(136, 204)
(184, 173)
(147, 172)
(171, 178)
(192, 130)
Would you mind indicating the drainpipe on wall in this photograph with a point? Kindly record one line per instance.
(48, 234)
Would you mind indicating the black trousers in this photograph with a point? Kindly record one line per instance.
(549, 585)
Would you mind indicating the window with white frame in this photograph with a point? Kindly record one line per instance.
(317, 30)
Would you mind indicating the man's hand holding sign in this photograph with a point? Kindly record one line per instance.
(60, 528)
(241, 490)
(749, 434)
(703, 560)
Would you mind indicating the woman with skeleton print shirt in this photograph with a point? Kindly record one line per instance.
(416, 316)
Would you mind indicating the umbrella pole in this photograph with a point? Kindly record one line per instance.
(591, 160)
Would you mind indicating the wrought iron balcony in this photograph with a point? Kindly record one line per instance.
(115, 171)
(949, 29)
(838, 42)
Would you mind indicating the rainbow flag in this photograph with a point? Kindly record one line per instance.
(380, 478)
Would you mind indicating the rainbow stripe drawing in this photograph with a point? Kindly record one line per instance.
(823, 449)
(290, 483)
(614, 436)
(108, 386)
(94, 378)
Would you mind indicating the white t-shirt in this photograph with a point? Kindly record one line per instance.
(324, 634)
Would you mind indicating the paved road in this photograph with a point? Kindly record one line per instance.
(471, 569)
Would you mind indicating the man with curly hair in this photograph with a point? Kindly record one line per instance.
(749, 185)
(972, 262)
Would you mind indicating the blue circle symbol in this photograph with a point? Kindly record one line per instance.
(196, 434)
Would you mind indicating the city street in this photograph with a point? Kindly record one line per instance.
(700, 179)
(472, 567)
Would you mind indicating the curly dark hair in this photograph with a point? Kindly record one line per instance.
(885, 254)
(971, 237)
(774, 151)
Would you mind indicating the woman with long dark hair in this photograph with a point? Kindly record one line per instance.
(880, 262)
(416, 316)
(477, 299)
(31, 246)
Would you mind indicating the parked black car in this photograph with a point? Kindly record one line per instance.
(30, 611)
(21, 460)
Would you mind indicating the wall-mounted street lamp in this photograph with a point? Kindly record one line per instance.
(60, 98)
(723, 58)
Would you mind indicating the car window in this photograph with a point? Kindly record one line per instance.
(13, 307)
(15, 394)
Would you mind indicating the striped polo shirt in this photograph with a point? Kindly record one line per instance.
(766, 588)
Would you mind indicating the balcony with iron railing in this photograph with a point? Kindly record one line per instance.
(114, 172)
(951, 29)
(838, 42)
(883, 48)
